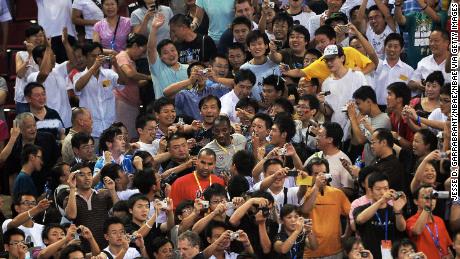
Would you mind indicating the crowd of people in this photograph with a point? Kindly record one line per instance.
(231, 129)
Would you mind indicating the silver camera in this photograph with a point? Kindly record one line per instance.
(234, 236)
(282, 151)
(205, 204)
(271, 5)
(440, 195)
(180, 121)
(164, 204)
(307, 221)
(397, 195)
(328, 177)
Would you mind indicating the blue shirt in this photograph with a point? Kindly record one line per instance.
(125, 163)
(220, 13)
(24, 184)
(164, 75)
(186, 101)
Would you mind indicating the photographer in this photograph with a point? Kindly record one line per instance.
(119, 241)
(379, 223)
(426, 230)
(354, 249)
(14, 244)
(219, 230)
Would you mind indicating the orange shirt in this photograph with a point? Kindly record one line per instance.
(326, 222)
(187, 188)
(424, 241)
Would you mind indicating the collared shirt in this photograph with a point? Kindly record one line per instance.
(131, 253)
(426, 66)
(384, 75)
(164, 75)
(224, 155)
(124, 161)
(229, 102)
(97, 96)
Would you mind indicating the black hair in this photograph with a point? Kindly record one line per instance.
(244, 162)
(138, 39)
(30, 86)
(285, 104)
(394, 36)
(81, 165)
(142, 119)
(160, 103)
(401, 90)
(292, 90)
(236, 45)
(276, 81)
(428, 138)
(445, 89)
(194, 64)
(365, 92)
(32, 30)
(302, 30)
(365, 172)
(212, 225)
(334, 131)
(216, 56)
(158, 243)
(288, 209)
(354, 8)
(102, 2)
(316, 161)
(207, 151)
(137, 197)
(266, 118)
(272, 161)
(27, 150)
(111, 221)
(180, 19)
(48, 228)
(121, 206)
(108, 135)
(110, 170)
(385, 134)
(312, 100)
(182, 205)
(314, 52)
(374, 8)
(245, 74)
(255, 35)
(88, 47)
(263, 194)
(12, 232)
(66, 251)
(222, 119)
(144, 180)
(247, 102)
(237, 186)
(38, 52)
(176, 136)
(214, 189)
(400, 243)
(209, 98)
(80, 138)
(163, 43)
(444, 33)
(416, 192)
(326, 30)
(286, 124)
(241, 20)
(376, 177)
(435, 76)
(283, 17)
(348, 244)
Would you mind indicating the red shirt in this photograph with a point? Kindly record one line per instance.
(401, 127)
(187, 188)
(424, 241)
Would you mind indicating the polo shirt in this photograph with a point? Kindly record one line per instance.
(394, 170)
(51, 123)
(224, 155)
(280, 197)
(426, 66)
(131, 253)
(384, 75)
(98, 97)
(228, 102)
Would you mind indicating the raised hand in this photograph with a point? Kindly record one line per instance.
(158, 21)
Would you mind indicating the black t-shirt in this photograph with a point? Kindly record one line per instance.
(148, 240)
(372, 232)
(290, 59)
(394, 170)
(251, 228)
(202, 137)
(173, 177)
(297, 248)
(51, 123)
(196, 50)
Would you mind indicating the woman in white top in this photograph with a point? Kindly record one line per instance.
(25, 64)
(87, 13)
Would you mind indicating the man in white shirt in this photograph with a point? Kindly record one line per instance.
(219, 230)
(391, 69)
(95, 87)
(147, 126)
(114, 233)
(244, 82)
(439, 46)
(87, 13)
(341, 84)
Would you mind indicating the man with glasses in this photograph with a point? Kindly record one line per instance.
(13, 243)
(307, 110)
(26, 208)
(81, 122)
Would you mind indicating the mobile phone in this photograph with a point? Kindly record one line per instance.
(326, 93)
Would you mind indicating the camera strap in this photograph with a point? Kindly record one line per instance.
(97, 3)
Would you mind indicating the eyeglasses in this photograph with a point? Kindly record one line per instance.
(303, 107)
(217, 201)
(29, 203)
(14, 243)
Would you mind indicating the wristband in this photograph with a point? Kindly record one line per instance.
(28, 214)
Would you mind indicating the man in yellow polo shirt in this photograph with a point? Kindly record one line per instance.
(318, 69)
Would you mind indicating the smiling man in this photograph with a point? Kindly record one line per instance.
(244, 82)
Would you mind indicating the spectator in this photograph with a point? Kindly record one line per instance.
(246, 109)
(333, 6)
(190, 10)
(388, 222)
(180, 162)
(25, 209)
(142, 17)
(203, 177)
(311, 55)
(14, 243)
(209, 110)
(116, 174)
(425, 105)
(272, 89)
(72, 251)
(225, 144)
(165, 113)
(220, 16)
(216, 231)
(237, 33)
(261, 125)
(146, 126)
(339, 22)
(163, 60)
(48, 119)
(115, 40)
(25, 64)
(192, 46)
(127, 99)
(87, 13)
(354, 249)
(362, 127)
(307, 109)
(31, 161)
(162, 248)
(398, 97)
(326, 219)
(236, 54)
(81, 122)
(189, 245)
(83, 148)
(293, 56)
(296, 11)
(404, 248)
(244, 84)
(5, 17)
(427, 171)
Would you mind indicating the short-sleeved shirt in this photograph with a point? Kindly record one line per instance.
(297, 248)
(131, 253)
(394, 170)
(384, 75)
(426, 66)
(202, 48)
(401, 127)
(291, 59)
(106, 32)
(24, 184)
(164, 75)
(280, 198)
(130, 93)
(5, 14)
(187, 100)
(377, 40)
(22, 82)
(221, 14)
(353, 59)
(137, 16)
(326, 218)
(35, 232)
(90, 11)
(54, 16)
(56, 88)
(380, 121)
(224, 155)
(261, 72)
(228, 102)
(51, 123)
(425, 241)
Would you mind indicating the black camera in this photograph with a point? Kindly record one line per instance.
(292, 172)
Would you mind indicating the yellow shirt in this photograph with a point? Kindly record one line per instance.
(326, 213)
(353, 59)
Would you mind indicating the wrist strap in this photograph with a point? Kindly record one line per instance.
(28, 214)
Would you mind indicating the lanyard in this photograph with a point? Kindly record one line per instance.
(199, 185)
(435, 238)
(225, 149)
(386, 222)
